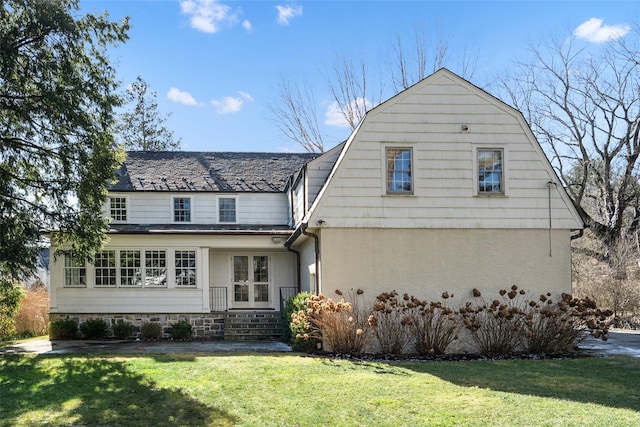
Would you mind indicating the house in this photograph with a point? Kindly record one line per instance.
(442, 187)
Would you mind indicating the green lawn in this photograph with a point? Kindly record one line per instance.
(296, 390)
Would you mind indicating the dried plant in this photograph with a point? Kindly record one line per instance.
(433, 325)
(342, 326)
(388, 328)
(33, 317)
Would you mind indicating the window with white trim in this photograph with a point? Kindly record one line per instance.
(182, 209)
(399, 170)
(118, 208)
(75, 273)
(155, 271)
(185, 262)
(130, 268)
(490, 171)
(105, 269)
(227, 209)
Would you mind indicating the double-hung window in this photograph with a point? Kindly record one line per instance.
(490, 171)
(227, 209)
(118, 208)
(155, 267)
(130, 268)
(399, 171)
(75, 273)
(185, 262)
(182, 209)
(105, 268)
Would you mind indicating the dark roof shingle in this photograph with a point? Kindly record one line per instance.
(208, 171)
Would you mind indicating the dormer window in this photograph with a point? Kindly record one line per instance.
(227, 209)
(118, 208)
(182, 209)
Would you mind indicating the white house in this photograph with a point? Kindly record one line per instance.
(442, 187)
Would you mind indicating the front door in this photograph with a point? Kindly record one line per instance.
(251, 281)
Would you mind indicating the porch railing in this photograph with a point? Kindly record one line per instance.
(285, 294)
(218, 297)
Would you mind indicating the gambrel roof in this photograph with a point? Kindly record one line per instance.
(208, 171)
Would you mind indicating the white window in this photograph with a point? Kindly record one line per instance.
(182, 209)
(130, 268)
(75, 273)
(227, 209)
(118, 208)
(105, 268)
(399, 171)
(185, 262)
(155, 263)
(490, 171)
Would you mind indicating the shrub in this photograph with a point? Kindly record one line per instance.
(151, 331)
(496, 327)
(63, 329)
(94, 329)
(122, 330)
(293, 332)
(33, 317)
(11, 294)
(388, 327)
(181, 330)
(342, 326)
(433, 325)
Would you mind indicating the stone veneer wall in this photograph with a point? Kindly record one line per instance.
(206, 326)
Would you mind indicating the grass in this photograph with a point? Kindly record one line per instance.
(295, 390)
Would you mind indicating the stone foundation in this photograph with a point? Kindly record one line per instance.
(206, 326)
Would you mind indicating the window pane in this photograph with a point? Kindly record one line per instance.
(130, 268)
(118, 208)
(240, 268)
(155, 263)
(75, 274)
(185, 268)
(182, 209)
(399, 170)
(241, 292)
(227, 207)
(105, 268)
(261, 292)
(490, 171)
(260, 269)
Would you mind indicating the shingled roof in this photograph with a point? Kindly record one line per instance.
(208, 171)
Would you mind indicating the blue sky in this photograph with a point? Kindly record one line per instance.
(216, 65)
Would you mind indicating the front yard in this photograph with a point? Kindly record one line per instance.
(296, 390)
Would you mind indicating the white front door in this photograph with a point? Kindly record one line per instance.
(251, 281)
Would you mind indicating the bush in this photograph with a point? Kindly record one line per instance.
(151, 331)
(122, 330)
(294, 332)
(342, 326)
(32, 319)
(94, 329)
(11, 294)
(181, 330)
(63, 329)
(388, 327)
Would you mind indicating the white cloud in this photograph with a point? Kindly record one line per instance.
(593, 31)
(333, 115)
(231, 104)
(181, 97)
(247, 25)
(286, 13)
(208, 16)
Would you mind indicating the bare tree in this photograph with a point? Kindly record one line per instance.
(583, 104)
(296, 115)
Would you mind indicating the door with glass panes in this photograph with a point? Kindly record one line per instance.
(251, 281)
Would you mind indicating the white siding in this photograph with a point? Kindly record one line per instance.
(429, 118)
(251, 208)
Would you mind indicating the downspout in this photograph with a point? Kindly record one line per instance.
(577, 236)
(317, 250)
(550, 185)
(298, 275)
